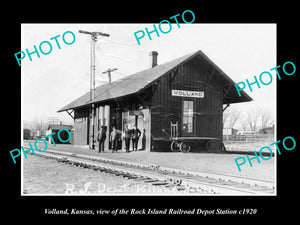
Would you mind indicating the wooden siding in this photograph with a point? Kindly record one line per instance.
(166, 108)
(81, 122)
(80, 131)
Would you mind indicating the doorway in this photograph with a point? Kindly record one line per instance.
(143, 121)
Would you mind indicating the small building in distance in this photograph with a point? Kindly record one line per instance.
(63, 134)
(229, 133)
(267, 130)
(27, 134)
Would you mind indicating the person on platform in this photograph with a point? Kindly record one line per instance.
(136, 133)
(127, 137)
(144, 140)
(114, 138)
(101, 138)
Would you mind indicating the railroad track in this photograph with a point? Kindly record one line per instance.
(187, 182)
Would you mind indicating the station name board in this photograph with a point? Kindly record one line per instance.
(192, 94)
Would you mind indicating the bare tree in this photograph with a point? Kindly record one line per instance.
(243, 122)
(230, 117)
(37, 125)
(252, 117)
(233, 117)
(266, 119)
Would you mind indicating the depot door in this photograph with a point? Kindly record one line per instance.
(143, 123)
(142, 119)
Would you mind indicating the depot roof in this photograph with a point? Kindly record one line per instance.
(137, 82)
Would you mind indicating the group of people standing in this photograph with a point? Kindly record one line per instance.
(117, 135)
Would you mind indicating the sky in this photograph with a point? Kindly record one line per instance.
(54, 80)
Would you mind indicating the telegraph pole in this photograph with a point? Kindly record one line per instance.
(94, 36)
(109, 71)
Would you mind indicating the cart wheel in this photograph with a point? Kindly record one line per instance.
(174, 146)
(213, 146)
(185, 147)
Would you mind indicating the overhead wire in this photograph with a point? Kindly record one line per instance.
(131, 45)
(111, 41)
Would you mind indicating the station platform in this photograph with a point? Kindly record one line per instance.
(222, 163)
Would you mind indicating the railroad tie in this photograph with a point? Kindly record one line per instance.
(151, 181)
(133, 177)
(141, 178)
(160, 183)
(120, 173)
(127, 175)
(169, 185)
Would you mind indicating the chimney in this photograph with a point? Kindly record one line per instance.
(153, 58)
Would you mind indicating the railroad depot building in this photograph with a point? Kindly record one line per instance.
(182, 98)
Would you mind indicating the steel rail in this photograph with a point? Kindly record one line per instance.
(206, 182)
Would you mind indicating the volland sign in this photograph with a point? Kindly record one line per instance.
(192, 94)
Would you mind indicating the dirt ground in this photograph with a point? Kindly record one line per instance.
(242, 146)
(46, 176)
(210, 162)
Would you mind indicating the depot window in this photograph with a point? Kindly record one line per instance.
(188, 117)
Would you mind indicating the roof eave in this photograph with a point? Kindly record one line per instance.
(244, 97)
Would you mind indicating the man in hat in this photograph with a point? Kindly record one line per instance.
(101, 138)
(136, 133)
(114, 137)
(127, 137)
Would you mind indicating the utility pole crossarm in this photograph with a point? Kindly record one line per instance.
(85, 32)
(94, 34)
(102, 34)
(109, 71)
